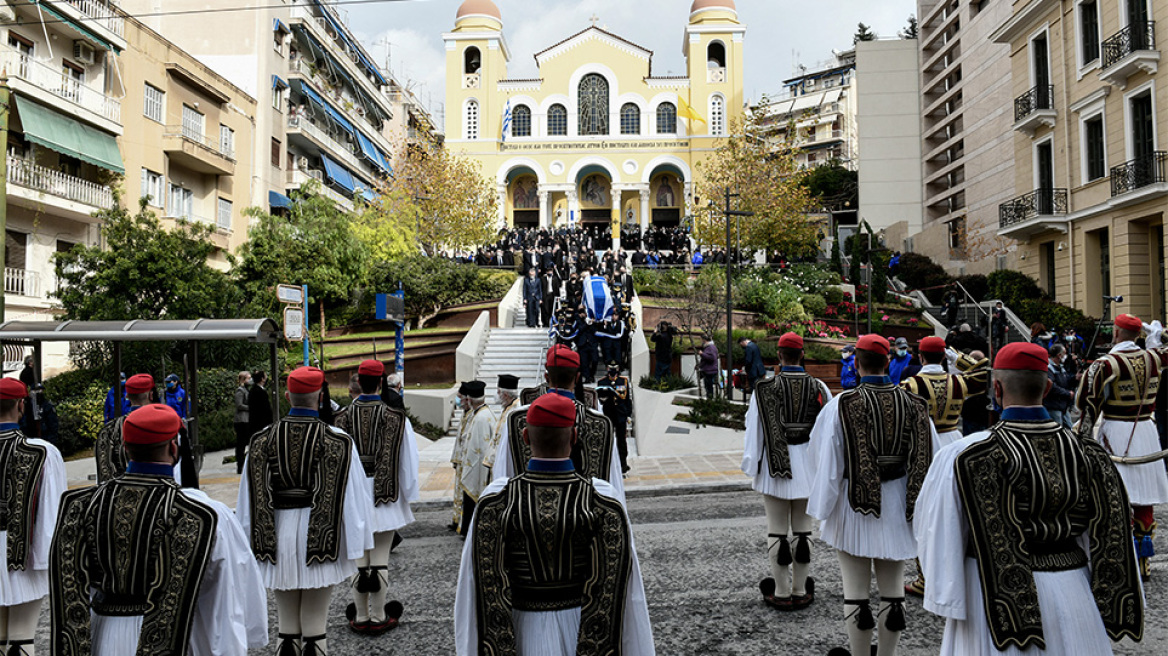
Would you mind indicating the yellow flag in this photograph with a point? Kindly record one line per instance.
(685, 111)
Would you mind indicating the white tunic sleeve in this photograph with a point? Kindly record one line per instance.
(466, 628)
(503, 467)
(941, 533)
(53, 485)
(616, 477)
(243, 499)
(752, 443)
(828, 458)
(356, 510)
(637, 634)
(408, 474)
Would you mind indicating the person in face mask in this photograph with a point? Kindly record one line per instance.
(176, 396)
(900, 364)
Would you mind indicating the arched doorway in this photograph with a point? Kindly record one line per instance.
(594, 189)
(523, 197)
(667, 196)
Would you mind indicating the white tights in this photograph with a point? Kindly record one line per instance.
(304, 614)
(857, 582)
(372, 604)
(18, 626)
(783, 517)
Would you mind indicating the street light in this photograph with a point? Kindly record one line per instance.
(730, 295)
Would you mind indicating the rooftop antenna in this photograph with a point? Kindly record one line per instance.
(388, 51)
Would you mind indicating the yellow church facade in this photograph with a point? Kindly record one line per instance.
(597, 138)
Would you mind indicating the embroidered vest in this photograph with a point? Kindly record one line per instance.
(945, 395)
(21, 466)
(592, 454)
(379, 432)
(788, 405)
(108, 451)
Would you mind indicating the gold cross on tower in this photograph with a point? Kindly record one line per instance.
(595, 19)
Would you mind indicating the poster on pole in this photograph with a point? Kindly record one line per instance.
(294, 324)
(291, 294)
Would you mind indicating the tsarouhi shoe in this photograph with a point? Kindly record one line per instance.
(799, 603)
(393, 613)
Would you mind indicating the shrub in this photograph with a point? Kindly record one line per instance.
(1054, 316)
(820, 353)
(427, 430)
(660, 282)
(833, 295)
(919, 272)
(215, 408)
(811, 278)
(668, 383)
(81, 417)
(75, 383)
(814, 304)
(716, 412)
(1012, 287)
(977, 285)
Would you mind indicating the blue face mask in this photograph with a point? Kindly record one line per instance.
(171, 385)
(902, 352)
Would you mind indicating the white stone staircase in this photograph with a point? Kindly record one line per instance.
(518, 351)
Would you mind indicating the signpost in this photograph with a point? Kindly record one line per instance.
(294, 324)
(392, 307)
(295, 316)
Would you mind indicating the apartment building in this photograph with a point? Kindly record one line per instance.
(188, 139)
(1091, 173)
(966, 127)
(61, 59)
(820, 106)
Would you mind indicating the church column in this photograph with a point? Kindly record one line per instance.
(645, 218)
(687, 206)
(614, 220)
(573, 207)
(544, 209)
(502, 205)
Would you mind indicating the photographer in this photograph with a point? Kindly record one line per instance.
(663, 346)
(708, 364)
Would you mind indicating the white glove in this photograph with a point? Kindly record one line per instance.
(1155, 331)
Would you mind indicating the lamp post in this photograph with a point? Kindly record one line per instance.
(730, 295)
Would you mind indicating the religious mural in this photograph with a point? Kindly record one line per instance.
(665, 193)
(594, 192)
(525, 193)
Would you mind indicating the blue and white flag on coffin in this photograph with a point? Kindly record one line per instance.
(598, 299)
(507, 120)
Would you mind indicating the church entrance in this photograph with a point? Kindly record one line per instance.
(666, 198)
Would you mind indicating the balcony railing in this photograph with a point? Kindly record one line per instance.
(1040, 202)
(1033, 100)
(22, 282)
(344, 151)
(53, 80)
(206, 141)
(1139, 172)
(1133, 38)
(24, 173)
(101, 13)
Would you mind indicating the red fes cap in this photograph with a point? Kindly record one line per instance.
(11, 388)
(873, 343)
(1129, 323)
(562, 356)
(305, 380)
(151, 424)
(791, 340)
(371, 368)
(932, 345)
(1022, 356)
(139, 384)
(552, 411)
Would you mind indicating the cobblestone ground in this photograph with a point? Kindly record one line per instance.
(702, 556)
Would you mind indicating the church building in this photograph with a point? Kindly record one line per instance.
(597, 138)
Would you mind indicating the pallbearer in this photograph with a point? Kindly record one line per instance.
(304, 503)
(776, 455)
(140, 566)
(389, 456)
(549, 565)
(1028, 527)
(32, 479)
(872, 445)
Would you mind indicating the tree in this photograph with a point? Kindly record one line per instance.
(837, 264)
(833, 186)
(863, 33)
(444, 196)
(387, 226)
(433, 283)
(767, 181)
(911, 30)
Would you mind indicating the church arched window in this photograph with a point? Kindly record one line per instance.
(666, 118)
(717, 116)
(471, 125)
(557, 121)
(716, 55)
(521, 121)
(593, 105)
(630, 119)
(472, 60)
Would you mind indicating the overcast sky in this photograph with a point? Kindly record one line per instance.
(780, 33)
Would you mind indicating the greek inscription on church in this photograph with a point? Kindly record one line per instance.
(594, 145)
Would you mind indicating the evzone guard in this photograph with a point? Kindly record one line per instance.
(1118, 395)
(777, 457)
(1029, 528)
(305, 506)
(389, 456)
(142, 567)
(107, 449)
(872, 446)
(549, 565)
(594, 452)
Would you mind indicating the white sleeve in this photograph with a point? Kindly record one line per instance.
(504, 467)
(356, 510)
(616, 477)
(826, 392)
(752, 442)
(637, 635)
(941, 532)
(827, 456)
(408, 481)
(466, 630)
(243, 499)
(53, 485)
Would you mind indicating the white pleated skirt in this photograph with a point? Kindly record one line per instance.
(948, 437)
(552, 633)
(289, 571)
(391, 516)
(116, 636)
(20, 587)
(1147, 485)
(1070, 620)
(887, 537)
(796, 487)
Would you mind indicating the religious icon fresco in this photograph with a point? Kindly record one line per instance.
(594, 191)
(665, 195)
(525, 193)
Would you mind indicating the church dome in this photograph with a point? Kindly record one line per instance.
(488, 8)
(700, 5)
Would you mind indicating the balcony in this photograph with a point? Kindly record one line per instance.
(1034, 109)
(1143, 174)
(47, 83)
(321, 139)
(74, 197)
(22, 282)
(98, 14)
(1032, 213)
(197, 152)
(299, 176)
(1129, 51)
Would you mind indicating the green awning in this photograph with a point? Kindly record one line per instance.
(68, 136)
(81, 28)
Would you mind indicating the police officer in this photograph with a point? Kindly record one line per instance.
(616, 398)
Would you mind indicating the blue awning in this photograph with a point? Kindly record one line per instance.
(278, 82)
(338, 174)
(327, 108)
(279, 26)
(278, 200)
(368, 195)
(372, 153)
(344, 34)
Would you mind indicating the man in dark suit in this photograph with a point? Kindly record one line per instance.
(755, 369)
(532, 295)
(550, 286)
(259, 406)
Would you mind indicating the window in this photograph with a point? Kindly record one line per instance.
(630, 119)
(558, 121)
(1143, 129)
(24, 48)
(276, 153)
(716, 55)
(226, 141)
(278, 93)
(72, 77)
(957, 238)
(1105, 262)
(1093, 148)
(181, 202)
(1088, 31)
(472, 60)
(521, 121)
(279, 36)
(717, 116)
(471, 128)
(152, 103)
(593, 105)
(666, 118)
(223, 220)
(152, 187)
(192, 123)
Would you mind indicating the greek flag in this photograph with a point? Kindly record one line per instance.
(507, 120)
(597, 299)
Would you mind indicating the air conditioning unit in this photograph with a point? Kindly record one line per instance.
(84, 53)
(302, 163)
